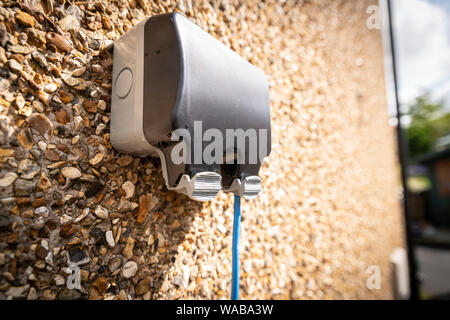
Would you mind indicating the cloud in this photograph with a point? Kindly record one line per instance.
(422, 31)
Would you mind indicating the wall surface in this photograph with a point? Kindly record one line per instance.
(329, 208)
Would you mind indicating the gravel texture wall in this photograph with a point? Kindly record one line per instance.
(329, 208)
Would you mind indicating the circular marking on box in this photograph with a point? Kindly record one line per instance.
(124, 82)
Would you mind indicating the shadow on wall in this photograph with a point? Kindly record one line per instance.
(68, 199)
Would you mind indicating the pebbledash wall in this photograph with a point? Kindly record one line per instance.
(330, 206)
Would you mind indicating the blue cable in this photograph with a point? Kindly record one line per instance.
(235, 249)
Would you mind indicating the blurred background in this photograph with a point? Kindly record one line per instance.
(421, 29)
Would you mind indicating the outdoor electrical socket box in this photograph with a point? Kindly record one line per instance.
(178, 93)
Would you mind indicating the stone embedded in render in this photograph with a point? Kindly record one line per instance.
(129, 269)
(101, 212)
(71, 172)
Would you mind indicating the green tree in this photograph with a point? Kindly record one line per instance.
(428, 123)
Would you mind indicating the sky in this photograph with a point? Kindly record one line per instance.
(422, 34)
